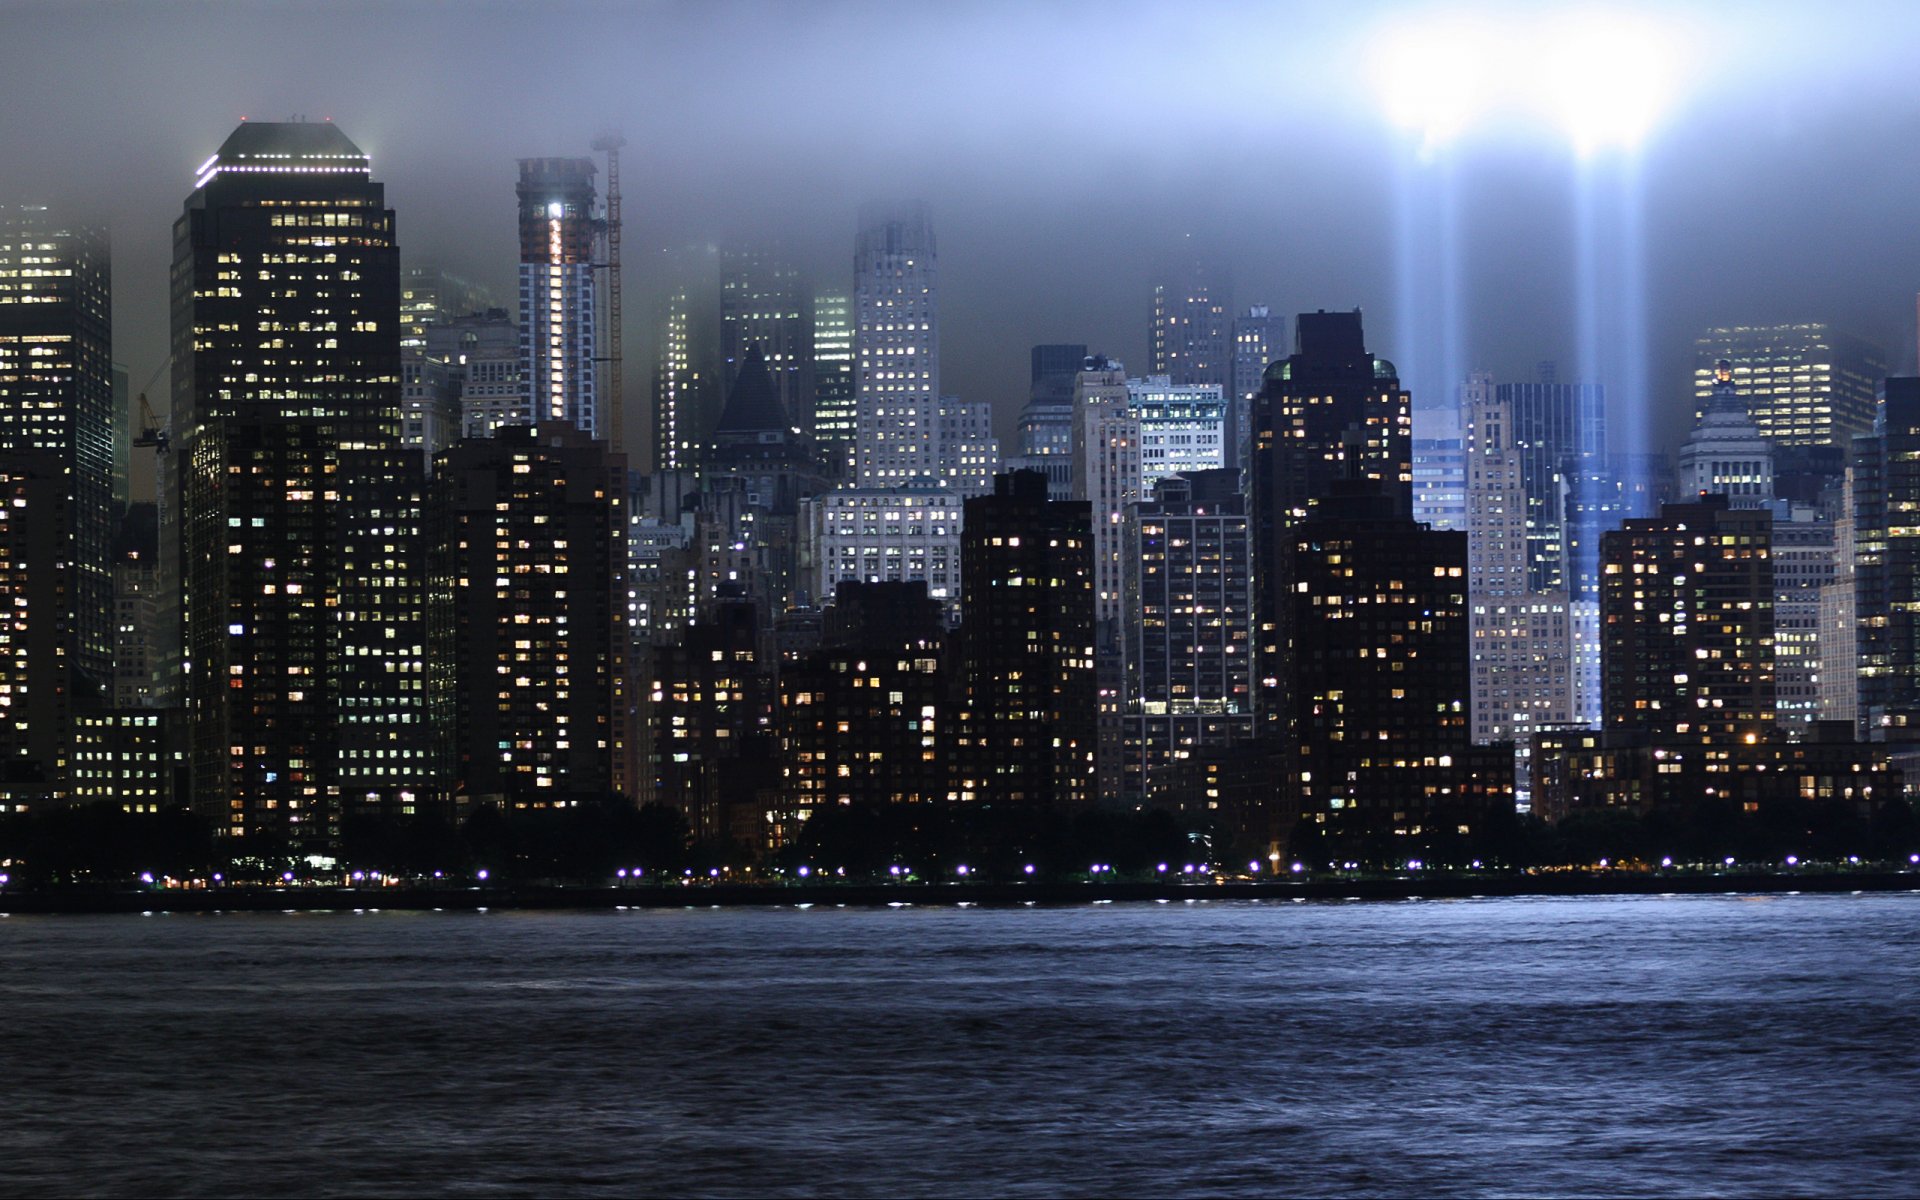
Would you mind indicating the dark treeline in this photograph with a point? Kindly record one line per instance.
(593, 842)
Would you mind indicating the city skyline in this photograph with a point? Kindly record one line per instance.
(1080, 264)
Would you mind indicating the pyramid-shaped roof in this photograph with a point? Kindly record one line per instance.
(753, 406)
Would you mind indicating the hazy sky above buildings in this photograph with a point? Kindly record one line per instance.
(1063, 147)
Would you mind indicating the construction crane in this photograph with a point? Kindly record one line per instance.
(151, 432)
(611, 143)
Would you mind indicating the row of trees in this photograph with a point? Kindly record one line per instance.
(596, 841)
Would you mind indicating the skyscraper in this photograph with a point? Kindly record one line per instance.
(57, 399)
(1686, 612)
(1886, 492)
(896, 347)
(534, 629)
(1522, 640)
(1259, 337)
(60, 422)
(560, 232)
(834, 409)
(1192, 325)
(765, 303)
(1027, 671)
(1188, 625)
(1045, 428)
(1725, 454)
(1327, 413)
(1560, 432)
(300, 514)
(1805, 383)
(686, 376)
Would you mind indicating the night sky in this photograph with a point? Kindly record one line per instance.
(1063, 146)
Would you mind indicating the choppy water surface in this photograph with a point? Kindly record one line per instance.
(1730, 1046)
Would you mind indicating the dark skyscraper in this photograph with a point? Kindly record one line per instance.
(300, 513)
(1329, 412)
(1886, 492)
(534, 633)
(1380, 672)
(1686, 613)
(60, 420)
(765, 303)
(1027, 671)
(1192, 327)
(686, 373)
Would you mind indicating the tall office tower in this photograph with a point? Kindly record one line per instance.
(1522, 640)
(1327, 413)
(1188, 626)
(431, 296)
(1686, 613)
(758, 451)
(300, 513)
(136, 609)
(896, 347)
(57, 399)
(1561, 433)
(860, 718)
(1725, 454)
(1106, 471)
(1803, 567)
(534, 629)
(560, 232)
(1886, 490)
(481, 351)
(1258, 336)
(834, 410)
(429, 404)
(1045, 428)
(1805, 384)
(1027, 672)
(1439, 468)
(1192, 330)
(687, 395)
(1183, 427)
(765, 303)
(1380, 691)
(969, 453)
(1839, 636)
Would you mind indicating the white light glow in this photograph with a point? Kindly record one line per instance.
(1601, 77)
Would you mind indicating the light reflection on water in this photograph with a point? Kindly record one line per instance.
(1510, 1046)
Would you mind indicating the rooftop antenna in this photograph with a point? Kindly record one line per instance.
(611, 143)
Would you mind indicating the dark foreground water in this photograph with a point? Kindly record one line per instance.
(1728, 1046)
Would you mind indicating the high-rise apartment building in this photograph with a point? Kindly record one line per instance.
(764, 302)
(300, 538)
(1686, 612)
(1188, 626)
(1379, 689)
(57, 399)
(1328, 413)
(534, 631)
(835, 414)
(560, 232)
(1027, 670)
(1805, 383)
(896, 345)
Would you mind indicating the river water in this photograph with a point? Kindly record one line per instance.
(1644, 1046)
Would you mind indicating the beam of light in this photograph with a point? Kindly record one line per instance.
(1601, 77)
